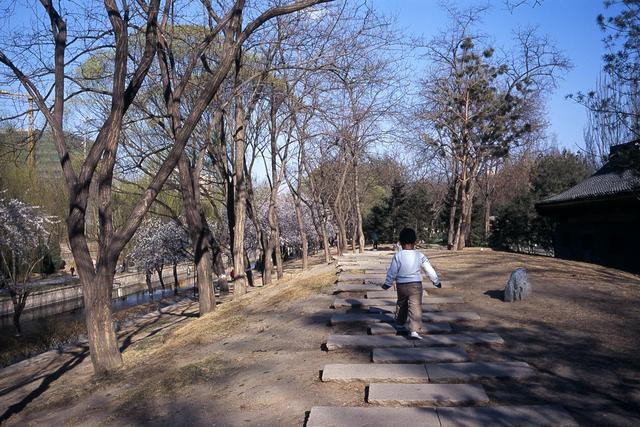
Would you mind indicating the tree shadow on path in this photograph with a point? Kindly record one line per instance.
(78, 355)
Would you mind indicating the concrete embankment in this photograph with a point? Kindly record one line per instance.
(58, 296)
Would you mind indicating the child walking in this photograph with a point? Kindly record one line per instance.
(405, 270)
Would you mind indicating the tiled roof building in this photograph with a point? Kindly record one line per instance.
(598, 220)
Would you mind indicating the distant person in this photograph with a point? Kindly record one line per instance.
(405, 270)
(374, 239)
(73, 271)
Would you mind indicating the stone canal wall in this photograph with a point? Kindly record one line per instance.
(124, 284)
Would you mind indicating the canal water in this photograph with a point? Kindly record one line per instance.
(73, 310)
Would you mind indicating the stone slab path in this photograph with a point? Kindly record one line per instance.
(387, 294)
(365, 302)
(361, 276)
(354, 287)
(368, 372)
(327, 416)
(435, 373)
(506, 416)
(434, 316)
(427, 394)
(473, 371)
(392, 308)
(419, 355)
(392, 329)
(386, 304)
(484, 416)
(372, 341)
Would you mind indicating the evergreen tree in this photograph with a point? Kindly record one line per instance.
(517, 225)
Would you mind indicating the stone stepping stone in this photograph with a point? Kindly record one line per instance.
(506, 416)
(361, 278)
(426, 299)
(419, 355)
(386, 305)
(430, 316)
(337, 416)
(366, 341)
(335, 341)
(369, 372)
(362, 302)
(360, 318)
(473, 371)
(427, 394)
(443, 300)
(392, 308)
(392, 329)
(386, 294)
(375, 282)
(343, 287)
(394, 372)
(461, 338)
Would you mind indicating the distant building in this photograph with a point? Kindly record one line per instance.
(13, 147)
(598, 220)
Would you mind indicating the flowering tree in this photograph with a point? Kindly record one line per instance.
(158, 244)
(23, 230)
(291, 233)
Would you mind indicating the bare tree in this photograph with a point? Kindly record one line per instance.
(478, 107)
(97, 278)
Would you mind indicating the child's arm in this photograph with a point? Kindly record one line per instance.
(392, 272)
(426, 266)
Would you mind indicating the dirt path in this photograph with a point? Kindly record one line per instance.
(256, 361)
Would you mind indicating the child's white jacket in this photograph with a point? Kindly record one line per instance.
(405, 268)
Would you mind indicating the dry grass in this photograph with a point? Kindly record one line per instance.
(255, 360)
(171, 381)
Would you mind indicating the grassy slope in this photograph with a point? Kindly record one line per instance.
(255, 361)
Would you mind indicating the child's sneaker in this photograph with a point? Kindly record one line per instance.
(415, 336)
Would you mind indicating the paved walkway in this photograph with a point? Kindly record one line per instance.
(429, 382)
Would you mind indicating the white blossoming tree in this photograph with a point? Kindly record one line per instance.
(157, 244)
(24, 229)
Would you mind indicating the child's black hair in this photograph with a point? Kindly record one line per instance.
(407, 236)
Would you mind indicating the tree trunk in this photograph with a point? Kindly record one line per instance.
(267, 260)
(463, 208)
(201, 236)
(487, 219)
(248, 270)
(103, 343)
(353, 239)
(342, 233)
(466, 205)
(452, 217)
(147, 279)
(325, 242)
(239, 203)
(303, 234)
(218, 264)
(359, 230)
(19, 300)
(160, 278)
(278, 253)
(176, 282)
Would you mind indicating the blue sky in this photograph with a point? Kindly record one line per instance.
(571, 24)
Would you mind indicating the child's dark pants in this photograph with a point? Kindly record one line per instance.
(409, 305)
